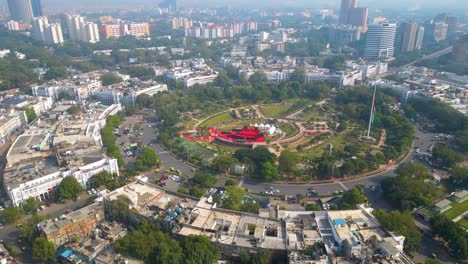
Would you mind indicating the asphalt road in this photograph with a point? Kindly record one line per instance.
(422, 141)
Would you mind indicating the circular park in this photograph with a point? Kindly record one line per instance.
(300, 140)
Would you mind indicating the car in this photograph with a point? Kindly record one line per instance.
(311, 189)
(269, 188)
(90, 192)
(276, 191)
(1, 226)
(93, 191)
(1, 208)
(373, 188)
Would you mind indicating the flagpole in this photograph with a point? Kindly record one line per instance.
(372, 112)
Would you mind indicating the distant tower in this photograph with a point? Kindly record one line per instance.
(419, 38)
(380, 41)
(21, 10)
(409, 30)
(346, 5)
(37, 8)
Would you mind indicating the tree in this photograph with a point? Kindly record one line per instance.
(403, 223)
(458, 178)
(110, 78)
(288, 160)
(312, 207)
(222, 80)
(258, 79)
(196, 191)
(268, 172)
(74, 110)
(230, 182)
(29, 230)
(56, 73)
(461, 138)
(250, 207)
(43, 250)
(234, 197)
(144, 100)
(31, 204)
(167, 251)
(204, 179)
(147, 159)
(69, 188)
(30, 114)
(199, 250)
(351, 198)
(12, 214)
(452, 233)
(223, 163)
(445, 156)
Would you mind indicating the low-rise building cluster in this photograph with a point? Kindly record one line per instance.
(298, 236)
(191, 72)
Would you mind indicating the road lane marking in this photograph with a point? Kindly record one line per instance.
(343, 186)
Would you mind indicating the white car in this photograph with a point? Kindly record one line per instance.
(90, 192)
(1, 208)
(93, 191)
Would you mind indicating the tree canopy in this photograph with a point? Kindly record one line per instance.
(199, 250)
(69, 188)
(403, 223)
(206, 180)
(43, 250)
(147, 159)
(288, 160)
(110, 78)
(12, 214)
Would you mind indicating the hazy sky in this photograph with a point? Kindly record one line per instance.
(461, 5)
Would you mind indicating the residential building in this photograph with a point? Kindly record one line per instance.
(419, 38)
(181, 23)
(451, 25)
(80, 223)
(10, 122)
(380, 41)
(460, 196)
(460, 50)
(358, 17)
(343, 34)
(409, 30)
(80, 30)
(440, 31)
(48, 33)
(346, 5)
(54, 34)
(21, 10)
(13, 25)
(123, 29)
(37, 8)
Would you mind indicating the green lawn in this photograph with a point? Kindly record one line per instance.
(456, 210)
(463, 222)
(276, 110)
(217, 119)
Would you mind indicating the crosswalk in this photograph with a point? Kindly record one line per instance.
(343, 186)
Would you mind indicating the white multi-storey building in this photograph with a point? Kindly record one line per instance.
(80, 30)
(48, 33)
(380, 41)
(11, 122)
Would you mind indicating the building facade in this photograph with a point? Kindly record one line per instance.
(409, 32)
(21, 10)
(380, 41)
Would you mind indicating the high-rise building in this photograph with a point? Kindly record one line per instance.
(343, 34)
(49, 33)
(37, 8)
(39, 26)
(419, 38)
(408, 30)
(80, 30)
(358, 17)
(54, 34)
(21, 10)
(346, 5)
(460, 50)
(380, 41)
(17, 26)
(451, 25)
(440, 31)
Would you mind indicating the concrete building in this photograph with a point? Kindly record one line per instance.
(440, 31)
(358, 17)
(443, 205)
(181, 23)
(451, 25)
(21, 10)
(117, 30)
(80, 223)
(49, 33)
(460, 50)
(343, 34)
(37, 8)
(13, 25)
(419, 38)
(126, 93)
(54, 34)
(80, 30)
(409, 30)
(380, 41)
(10, 122)
(346, 5)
